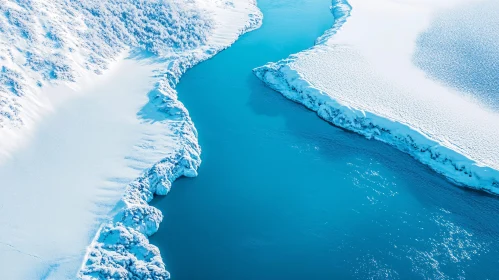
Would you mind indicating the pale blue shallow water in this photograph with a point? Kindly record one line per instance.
(283, 195)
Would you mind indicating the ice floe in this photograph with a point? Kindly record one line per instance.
(361, 76)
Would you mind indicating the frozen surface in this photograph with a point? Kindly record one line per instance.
(461, 48)
(82, 153)
(61, 42)
(57, 188)
(361, 76)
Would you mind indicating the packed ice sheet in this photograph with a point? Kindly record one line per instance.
(361, 75)
(58, 60)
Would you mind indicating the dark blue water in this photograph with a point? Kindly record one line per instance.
(283, 195)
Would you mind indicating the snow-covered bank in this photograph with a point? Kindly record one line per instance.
(361, 77)
(57, 188)
(120, 249)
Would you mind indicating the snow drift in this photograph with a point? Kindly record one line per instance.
(361, 76)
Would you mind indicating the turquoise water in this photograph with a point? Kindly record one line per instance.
(283, 195)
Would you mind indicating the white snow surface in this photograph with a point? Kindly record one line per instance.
(361, 76)
(91, 128)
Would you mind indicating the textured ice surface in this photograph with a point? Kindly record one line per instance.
(361, 77)
(50, 52)
(461, 48)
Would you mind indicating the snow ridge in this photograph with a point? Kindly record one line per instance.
(286, 79)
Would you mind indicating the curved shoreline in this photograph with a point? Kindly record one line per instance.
(121, 247)
(458, 168)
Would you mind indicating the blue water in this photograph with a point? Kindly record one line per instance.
(283, 195)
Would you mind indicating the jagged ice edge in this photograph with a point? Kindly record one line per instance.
(121, 249)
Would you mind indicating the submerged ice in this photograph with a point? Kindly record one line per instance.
(361, 76)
